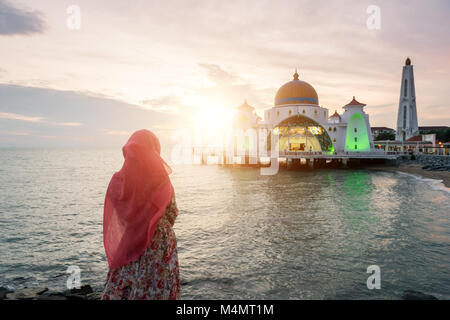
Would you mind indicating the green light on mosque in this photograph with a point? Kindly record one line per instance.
(357, 138)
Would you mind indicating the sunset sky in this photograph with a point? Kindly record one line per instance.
(159, 64)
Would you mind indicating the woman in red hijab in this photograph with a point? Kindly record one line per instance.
(139, 214)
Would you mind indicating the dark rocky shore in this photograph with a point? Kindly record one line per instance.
(84, 293)
(430, 163)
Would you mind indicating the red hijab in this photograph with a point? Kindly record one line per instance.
(136, 198)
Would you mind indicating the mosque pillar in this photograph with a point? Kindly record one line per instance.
(204, 158)
(306, 139)
(289, 163)
(344, 163)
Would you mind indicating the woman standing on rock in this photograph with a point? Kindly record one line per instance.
(139, 213)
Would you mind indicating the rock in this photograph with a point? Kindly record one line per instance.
(26, 293)
(3, 292)
(51, 297)
(416, 295)
(84, 290)
(83, 293)
(75, 297)
(94, 296)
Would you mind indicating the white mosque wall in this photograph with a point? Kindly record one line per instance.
(337, 132)
(246, 119)
(279, 114)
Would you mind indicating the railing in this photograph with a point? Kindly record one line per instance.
(349, 154)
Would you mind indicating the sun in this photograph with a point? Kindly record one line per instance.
(212, 120)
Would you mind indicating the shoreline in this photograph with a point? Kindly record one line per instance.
(86, 293)
(415, 169)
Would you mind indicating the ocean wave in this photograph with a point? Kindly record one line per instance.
(435, 184)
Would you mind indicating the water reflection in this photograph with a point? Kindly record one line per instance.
(299, 234)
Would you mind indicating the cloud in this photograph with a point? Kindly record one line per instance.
(118, 133)
(217, 75)
(14, 116)
(69, 124)
(19, 117)
(16, 133)
(225, 51)
(166, 104)
(15, 20)
(55, 118)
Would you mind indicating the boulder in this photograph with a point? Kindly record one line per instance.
(94, 296)
(75, 297)
(3, 292)
(84, 290)
(26, 293)
(416, 295)
(52, 295)
(83, 293)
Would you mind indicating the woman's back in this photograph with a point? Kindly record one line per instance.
(155, 274)
(139, 213)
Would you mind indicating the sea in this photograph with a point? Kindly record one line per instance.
(241, 235)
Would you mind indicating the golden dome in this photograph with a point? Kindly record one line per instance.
(296, 92)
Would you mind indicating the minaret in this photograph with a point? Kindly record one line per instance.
(407, 126)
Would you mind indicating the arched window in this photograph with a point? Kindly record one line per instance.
(356, 146)
(406, 87)
(278, 114)
(329, 129)
(334, 129)
(290, 112)
(356, 139)
(315, 113)
(303, 111)
(356, 129)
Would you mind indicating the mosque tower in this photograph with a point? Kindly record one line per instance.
(407, 126)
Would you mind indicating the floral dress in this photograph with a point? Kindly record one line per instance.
(155, 274)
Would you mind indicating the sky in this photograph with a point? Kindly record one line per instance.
(163, 65)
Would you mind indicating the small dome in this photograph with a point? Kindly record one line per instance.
(335, 115)
(245, 105)
(355, 102)
(296, 92)
(408, 62)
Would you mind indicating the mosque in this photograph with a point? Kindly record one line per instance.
(298, 128)
(304, 127)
